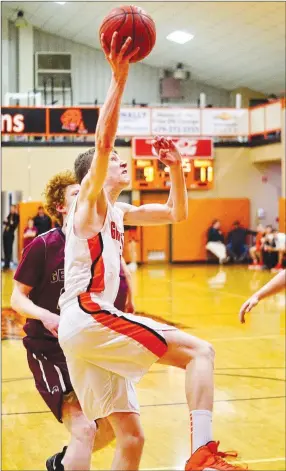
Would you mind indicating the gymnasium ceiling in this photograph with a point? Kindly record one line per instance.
(236, 44)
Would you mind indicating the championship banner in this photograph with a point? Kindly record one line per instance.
(189, 148)
(23, 121)
(224, 122)
(176, 121)
(72, 121)
(134, 122)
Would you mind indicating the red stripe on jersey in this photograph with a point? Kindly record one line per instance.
(95, 245)
(144, 335)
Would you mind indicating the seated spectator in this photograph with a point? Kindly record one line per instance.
(280, 248)
(42, 221)
(255, 250)
(237, 242)
(215, 243)
(269, 252)
(30, 232)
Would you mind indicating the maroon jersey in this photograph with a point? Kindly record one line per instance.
(42, 268)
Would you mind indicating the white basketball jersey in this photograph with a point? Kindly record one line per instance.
(92, 265)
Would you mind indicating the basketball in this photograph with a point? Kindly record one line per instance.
(134, 22)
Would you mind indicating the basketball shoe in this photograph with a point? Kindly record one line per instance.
(54, 463)
(208, 458)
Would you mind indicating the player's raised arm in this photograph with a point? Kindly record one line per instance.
(176, 208)
(108, 119)
(273, 286)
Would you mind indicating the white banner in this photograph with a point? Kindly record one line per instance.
(134, 122)
(176, 121)
(225, 122)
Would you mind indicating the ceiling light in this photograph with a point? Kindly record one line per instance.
(180, 37)
(61, 3)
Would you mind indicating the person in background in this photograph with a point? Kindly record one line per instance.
(280, 248)
(269, 253)
(10, 225)
(215, 242)
(30, 232)
(255, 251)
(132, 246)
(237, 242)
(42, 221)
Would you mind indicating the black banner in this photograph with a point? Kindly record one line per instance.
(48, 121)
(67, 121)
(20, 121)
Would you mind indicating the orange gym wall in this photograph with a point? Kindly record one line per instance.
(282, 216)
(236, 177)
(189, 237)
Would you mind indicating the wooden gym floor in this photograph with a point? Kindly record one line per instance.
(249, 412)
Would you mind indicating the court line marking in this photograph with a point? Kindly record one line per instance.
(25, 378)
(254, 337)
(158, 405)
(264, 460)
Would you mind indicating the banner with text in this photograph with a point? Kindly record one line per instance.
(134, 122)
(224, 122)
(189, 148)
(176, 121)
(22, 120)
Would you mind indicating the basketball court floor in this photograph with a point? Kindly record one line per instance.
(249, 413)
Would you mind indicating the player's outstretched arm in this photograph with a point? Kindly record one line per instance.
(108, 119)
(176, 208)
(273, 286)
(21, 303)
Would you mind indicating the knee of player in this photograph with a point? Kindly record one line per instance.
(86, 431)
(206, 350)
(133, 441)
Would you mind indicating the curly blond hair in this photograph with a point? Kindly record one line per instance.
(54, 192)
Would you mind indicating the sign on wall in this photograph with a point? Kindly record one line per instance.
(70, 121)
(224, 122)
(176, 121)
(22, 120)
(134, 122)
(189, 148)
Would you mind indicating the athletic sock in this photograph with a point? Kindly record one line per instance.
(201, 428)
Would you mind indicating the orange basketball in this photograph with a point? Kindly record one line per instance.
(134, 22)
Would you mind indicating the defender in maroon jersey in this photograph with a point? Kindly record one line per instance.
(39, 281)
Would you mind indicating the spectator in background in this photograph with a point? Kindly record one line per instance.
(255, 251)
(30, 232)
(42, 221)
(11, 224)
(280, 248)
(269, 253)
(237, 242)
(132, 246)
(215, 242)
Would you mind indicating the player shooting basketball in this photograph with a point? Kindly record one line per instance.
(39, 281)
(107, 350)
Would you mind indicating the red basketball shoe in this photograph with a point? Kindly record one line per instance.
(208, 458)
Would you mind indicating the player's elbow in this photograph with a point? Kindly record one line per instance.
(14, 301)
(104, 145)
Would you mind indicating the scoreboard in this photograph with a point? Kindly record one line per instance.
(148, 173)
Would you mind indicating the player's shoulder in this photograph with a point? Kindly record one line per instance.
(122, 207)
(51, 235)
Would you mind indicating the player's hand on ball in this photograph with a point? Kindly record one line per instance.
(247, 307)
(167, 151)
(119, 61)
(51, 322)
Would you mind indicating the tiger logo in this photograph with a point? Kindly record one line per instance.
(72, 120)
